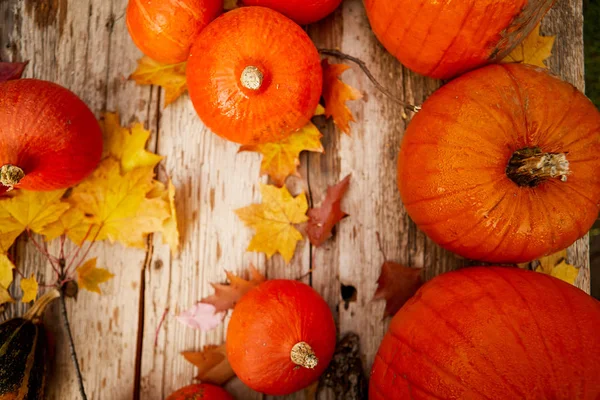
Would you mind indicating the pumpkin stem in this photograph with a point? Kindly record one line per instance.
(38, 308)
(10, 175)
(303, 355)
(252, 78)
(530, 166)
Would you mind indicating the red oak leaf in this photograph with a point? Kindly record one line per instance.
(396, 285)
(9, 71)
(323, 219)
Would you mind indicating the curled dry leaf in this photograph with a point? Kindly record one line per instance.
(10, 71)
(201, 316)
(6, 271)
(212, 363)
(171, 77)
(282, 159)
(336, 93)
(324, 218)
(396, 284)
(89, 277)
(273, 221)
(226, 296)
(29, 286)
(534, 50)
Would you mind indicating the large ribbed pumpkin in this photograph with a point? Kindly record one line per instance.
(491, 333)
(444, 38)
(503, 165)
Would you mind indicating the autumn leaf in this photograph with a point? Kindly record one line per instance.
(6, 271)
(89, 277)
(116, 206)
(555, 265)
(534, 50)
(396, 284)
(230, 5)
(336, 93)
(170, 233)
(10, 71)
(5, 296)
(127, 144)
(319, 111)
(324, 218)
(226, 296)
(201, 316)
(273, 221)
(213, 366)
(282, 159)
(23, 210)
(29, 286)
(171, 77)
(70, 223)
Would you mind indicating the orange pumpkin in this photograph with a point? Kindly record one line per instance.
(254, 76)
(201, 391)
(301, 11)
(502, 165)
(491, 333)
(281, 337)
(442, 39)
(165, 29)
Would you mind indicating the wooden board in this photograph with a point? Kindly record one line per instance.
(84, 45)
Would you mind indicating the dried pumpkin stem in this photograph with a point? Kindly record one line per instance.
(36, 311)
(303, 355)
(365, 69)
(252, 78)
(10, 175)
(530, 166)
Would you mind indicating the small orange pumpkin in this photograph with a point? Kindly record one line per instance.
(254, 76)
(444, 38)
(502, 165)
(281, 337)
(165, 29)
(491, 333)
(301, 11)
(201, 391)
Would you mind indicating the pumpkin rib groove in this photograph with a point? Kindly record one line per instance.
(519, 93)
(554, 196)
(154, 25)
(571, 186)
(433, 364)
(409, 383)
(412, 21)
(473, 151)
(550, 131)
(10, 339)
(507, 229)
(432, 23)
(185, 7)
(453, 41)
(547, 215)
(482, 355)
(532, 318)
(579, 139)
(24, 391)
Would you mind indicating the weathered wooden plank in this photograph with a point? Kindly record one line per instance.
(73, 44)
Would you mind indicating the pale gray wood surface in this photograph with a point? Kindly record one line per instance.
(84, 46)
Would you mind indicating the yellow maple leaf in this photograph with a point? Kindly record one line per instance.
(319, 111)
(281, 159)
(534, 50)
(69, 222)
(116, 207)
(557, 266)
(170, 233)
(5, 296)
(29, 286)
(28, 210)
(89, 277)
(273, 221)
(6, 271)
(171, 77)
(127, 144)
(336, 93)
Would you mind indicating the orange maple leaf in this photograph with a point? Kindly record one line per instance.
(226, 296)
(324, 218)
(396, 285)
(212, 363)
(336, 93)
(281, 159)
(171, 77)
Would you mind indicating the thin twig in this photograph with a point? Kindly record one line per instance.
(80, 246)
(365, 69)
(162, 320)
(62, 246)
(63, 311)
(44, 252)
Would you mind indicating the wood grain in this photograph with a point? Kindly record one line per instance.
(84, 46)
